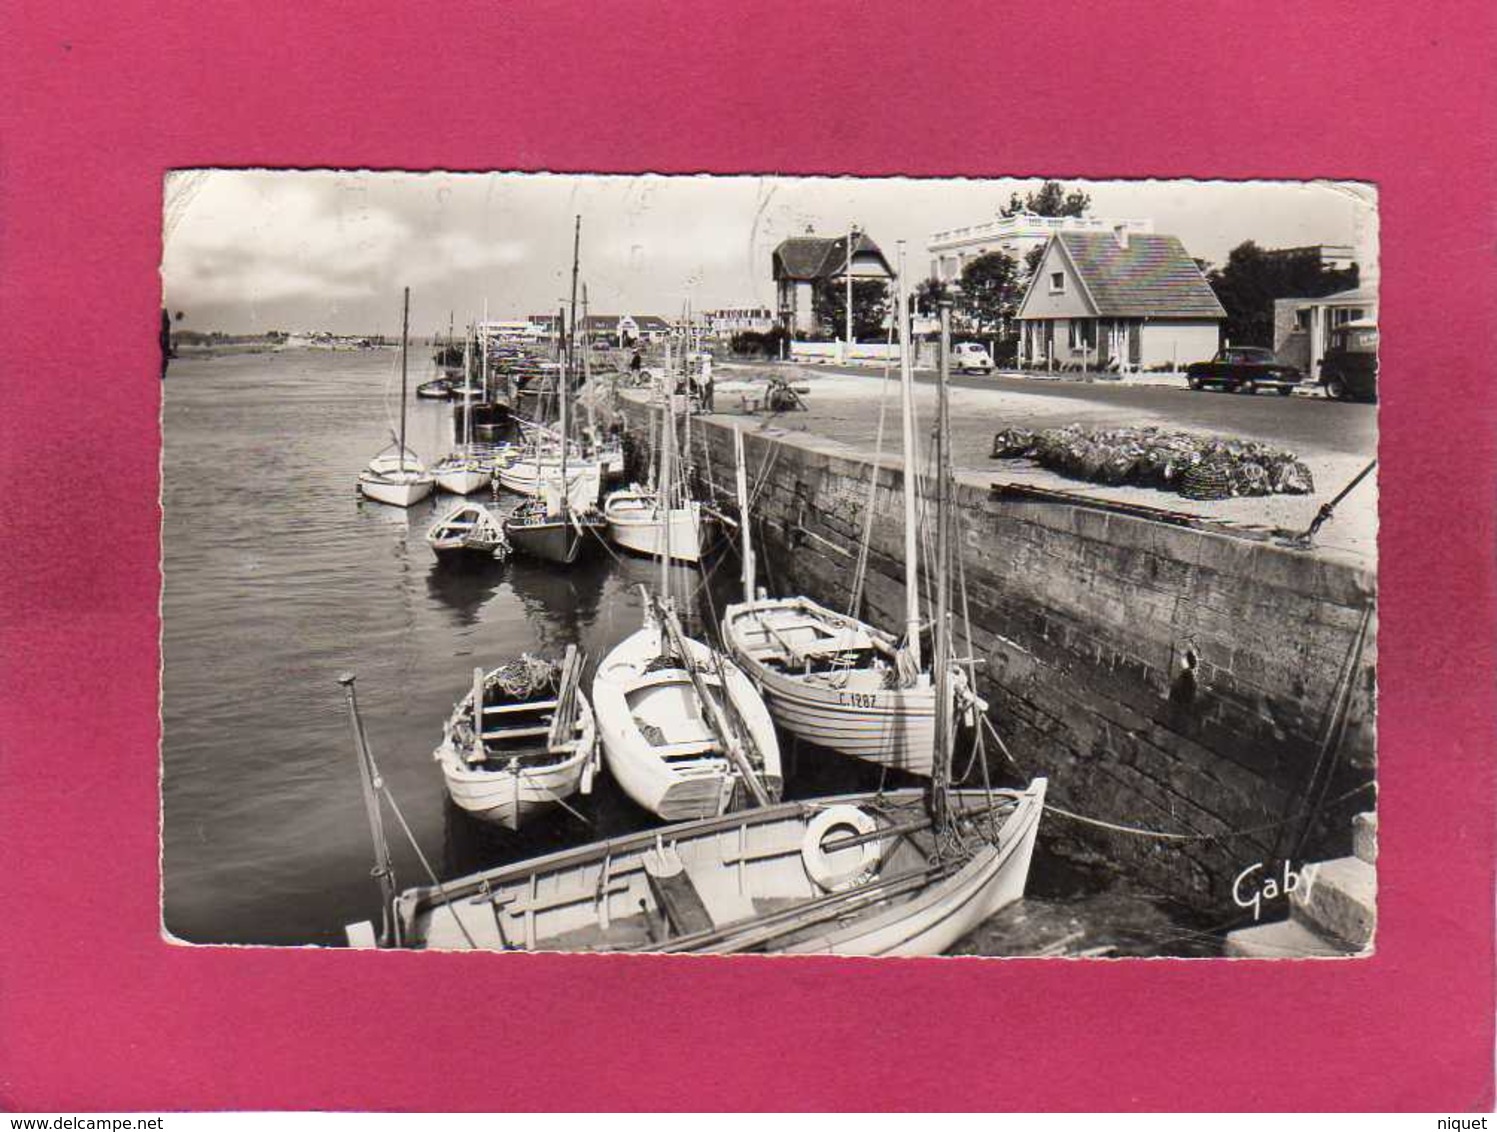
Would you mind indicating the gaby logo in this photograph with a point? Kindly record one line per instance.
(1252, 887)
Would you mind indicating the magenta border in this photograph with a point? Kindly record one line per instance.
(97, 1012)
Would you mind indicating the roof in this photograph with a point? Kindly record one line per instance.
(1363, 294)
(1152, 276)
(821, 257)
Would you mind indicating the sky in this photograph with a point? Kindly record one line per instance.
(259, 250)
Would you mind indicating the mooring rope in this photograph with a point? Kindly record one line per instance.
(1163, 835)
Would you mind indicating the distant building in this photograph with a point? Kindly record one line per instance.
(1332, 257)
(622, 328)
(1015, 236)
(1302, 328)
(737, 320)
(802, 263)
(1117, 300)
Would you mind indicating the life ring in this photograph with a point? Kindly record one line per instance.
(852, 866)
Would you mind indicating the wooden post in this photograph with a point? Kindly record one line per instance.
(383, 871)
(478, 747)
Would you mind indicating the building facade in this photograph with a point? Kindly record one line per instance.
(1302, 328)
(1117, 301)
(729, 321)
(1015, 236)
(803, 263)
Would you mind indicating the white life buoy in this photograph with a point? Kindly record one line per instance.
(851, 867)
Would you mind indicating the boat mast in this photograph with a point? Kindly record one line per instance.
(911, 462)
(940, 778)
(566, 373)
(405, 334)
(483, 357)
(745, 541)
(663, 495)
(467, 399)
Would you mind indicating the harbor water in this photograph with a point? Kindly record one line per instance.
(278, 577)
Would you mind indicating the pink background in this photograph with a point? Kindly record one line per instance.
(96, 1012)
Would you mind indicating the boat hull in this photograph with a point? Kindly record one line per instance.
(395, 490)
(852, 713)
(559, 539)
(526, 477)
(514, 792)
(634, 525)
(754, 878)
(657, 742)
(463, 481)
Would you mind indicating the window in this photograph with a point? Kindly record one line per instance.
(1057, 282)
(1083, 334)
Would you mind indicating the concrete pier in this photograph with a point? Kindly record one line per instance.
(1164, 677)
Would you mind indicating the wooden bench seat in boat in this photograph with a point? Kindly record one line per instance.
(504, 709)
(516, 732)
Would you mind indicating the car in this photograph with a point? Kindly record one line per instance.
(1244, 369)
(972, 357)
(1348, 372)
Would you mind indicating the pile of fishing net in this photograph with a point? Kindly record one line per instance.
(1198, 467)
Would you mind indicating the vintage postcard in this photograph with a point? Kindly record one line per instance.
(770, 565)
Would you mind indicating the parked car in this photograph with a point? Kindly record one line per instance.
(971, 357)
(1348, 372)
(1244, 369)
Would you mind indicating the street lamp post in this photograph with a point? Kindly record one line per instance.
(852, 234)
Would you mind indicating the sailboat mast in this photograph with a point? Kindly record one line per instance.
(667, 472)
(483, 358)
(940, 780)
(467, 399)
(911, 462)
(746, 544)
(405, 336)
(566, 373)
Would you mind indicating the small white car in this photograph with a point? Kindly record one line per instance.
(971, 357)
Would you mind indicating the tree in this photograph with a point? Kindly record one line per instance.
(991, 290)
(1052, 199)
(1252, 279)
(928, 296)
(870, 306)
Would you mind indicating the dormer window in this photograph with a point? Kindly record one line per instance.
(1057, 282)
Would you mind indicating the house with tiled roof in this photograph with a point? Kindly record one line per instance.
(801, 264)
(623, 328)
(1120, 300)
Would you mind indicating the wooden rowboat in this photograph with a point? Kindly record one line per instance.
(862, 874)
(530, 744)
(664, 746)
(469, 529)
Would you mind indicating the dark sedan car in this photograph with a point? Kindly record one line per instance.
(1244, 369)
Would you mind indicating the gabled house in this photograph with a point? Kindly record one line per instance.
(1120, 300)
(803, 263)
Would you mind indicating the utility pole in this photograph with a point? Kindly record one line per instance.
(852, 235)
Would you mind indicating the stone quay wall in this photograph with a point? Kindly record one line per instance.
(1163, 677)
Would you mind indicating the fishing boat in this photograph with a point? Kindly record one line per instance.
(634, 523)
(439, 389)
(558, 524)
(861, 874)
(684, 731)
(525, 474)
(521, 741)
(463, 471)
(890, 872)
(662, 518)
(397, 476)
(832, 679)
(468, 530)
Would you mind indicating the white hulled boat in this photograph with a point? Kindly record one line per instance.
(468, 530)
(396, 476)
(523, 740)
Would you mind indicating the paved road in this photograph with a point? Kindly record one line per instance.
(1299, 421)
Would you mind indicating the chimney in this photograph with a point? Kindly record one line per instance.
(1120, 232)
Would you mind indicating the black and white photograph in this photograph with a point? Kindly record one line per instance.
(769, 565)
